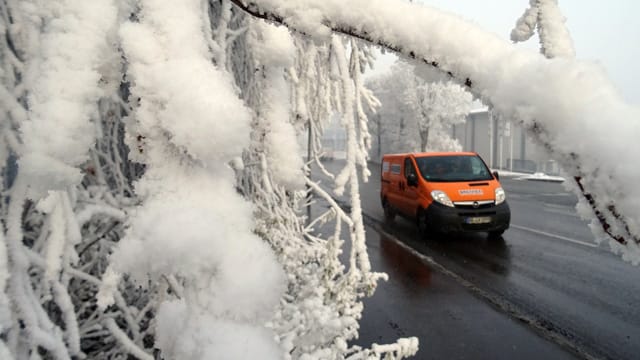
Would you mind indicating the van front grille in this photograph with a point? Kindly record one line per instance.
(478, 213)
(469, 205)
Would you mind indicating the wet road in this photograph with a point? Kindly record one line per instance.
(546, 277)
(420, 299)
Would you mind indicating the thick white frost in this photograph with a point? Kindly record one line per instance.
(62, 79)
(274, 51)
(192, 225)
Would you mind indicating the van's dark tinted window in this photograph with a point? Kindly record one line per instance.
(453, 168)
(408, 168)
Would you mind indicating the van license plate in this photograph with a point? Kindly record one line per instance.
(478, 220)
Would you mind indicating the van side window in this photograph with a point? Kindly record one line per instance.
(408, 168)
(385, 166)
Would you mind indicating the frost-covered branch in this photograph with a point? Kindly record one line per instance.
(256, 9)
(319, 312)
(124, 340)
(545, 15)
(555, 41)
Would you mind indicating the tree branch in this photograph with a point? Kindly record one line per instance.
(253, 10)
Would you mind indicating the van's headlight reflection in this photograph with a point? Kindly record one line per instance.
(441, 197)
(500, 196)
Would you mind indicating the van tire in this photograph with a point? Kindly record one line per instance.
(389, 213)
(496, 234)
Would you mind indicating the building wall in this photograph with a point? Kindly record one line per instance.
(475, 135)
(502, 144)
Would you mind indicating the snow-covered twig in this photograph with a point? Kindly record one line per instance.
(323, 194)
(124, 340)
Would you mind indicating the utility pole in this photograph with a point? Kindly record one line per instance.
(491, 139)
(379, 136)
(309, 197)
(510, 147)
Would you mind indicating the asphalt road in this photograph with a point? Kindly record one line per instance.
(544, 291)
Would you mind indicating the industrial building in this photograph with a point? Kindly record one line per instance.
(503, 144)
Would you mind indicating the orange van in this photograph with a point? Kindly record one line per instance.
(445, 192)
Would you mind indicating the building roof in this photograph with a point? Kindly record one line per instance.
(479, 110)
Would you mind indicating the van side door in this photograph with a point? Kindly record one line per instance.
(409, 192)
(392, 183)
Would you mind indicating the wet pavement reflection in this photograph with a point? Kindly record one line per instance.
(471, 250)
(405, 265)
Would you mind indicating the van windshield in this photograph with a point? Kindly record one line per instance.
(453, 168)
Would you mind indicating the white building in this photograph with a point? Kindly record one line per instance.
(503, 144)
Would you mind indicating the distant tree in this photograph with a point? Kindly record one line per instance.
(438, 106)
(418, 109)
(396, 127)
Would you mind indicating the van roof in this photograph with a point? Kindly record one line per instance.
(433, 153)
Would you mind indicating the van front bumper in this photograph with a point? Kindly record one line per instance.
(447, 219)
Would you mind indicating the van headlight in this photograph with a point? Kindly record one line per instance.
(500, 196)
(441, 197)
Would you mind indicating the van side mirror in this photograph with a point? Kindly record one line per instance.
(412, 180)
(495, 174)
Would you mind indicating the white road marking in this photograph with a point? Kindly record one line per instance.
(560, 210)
(555, 236)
